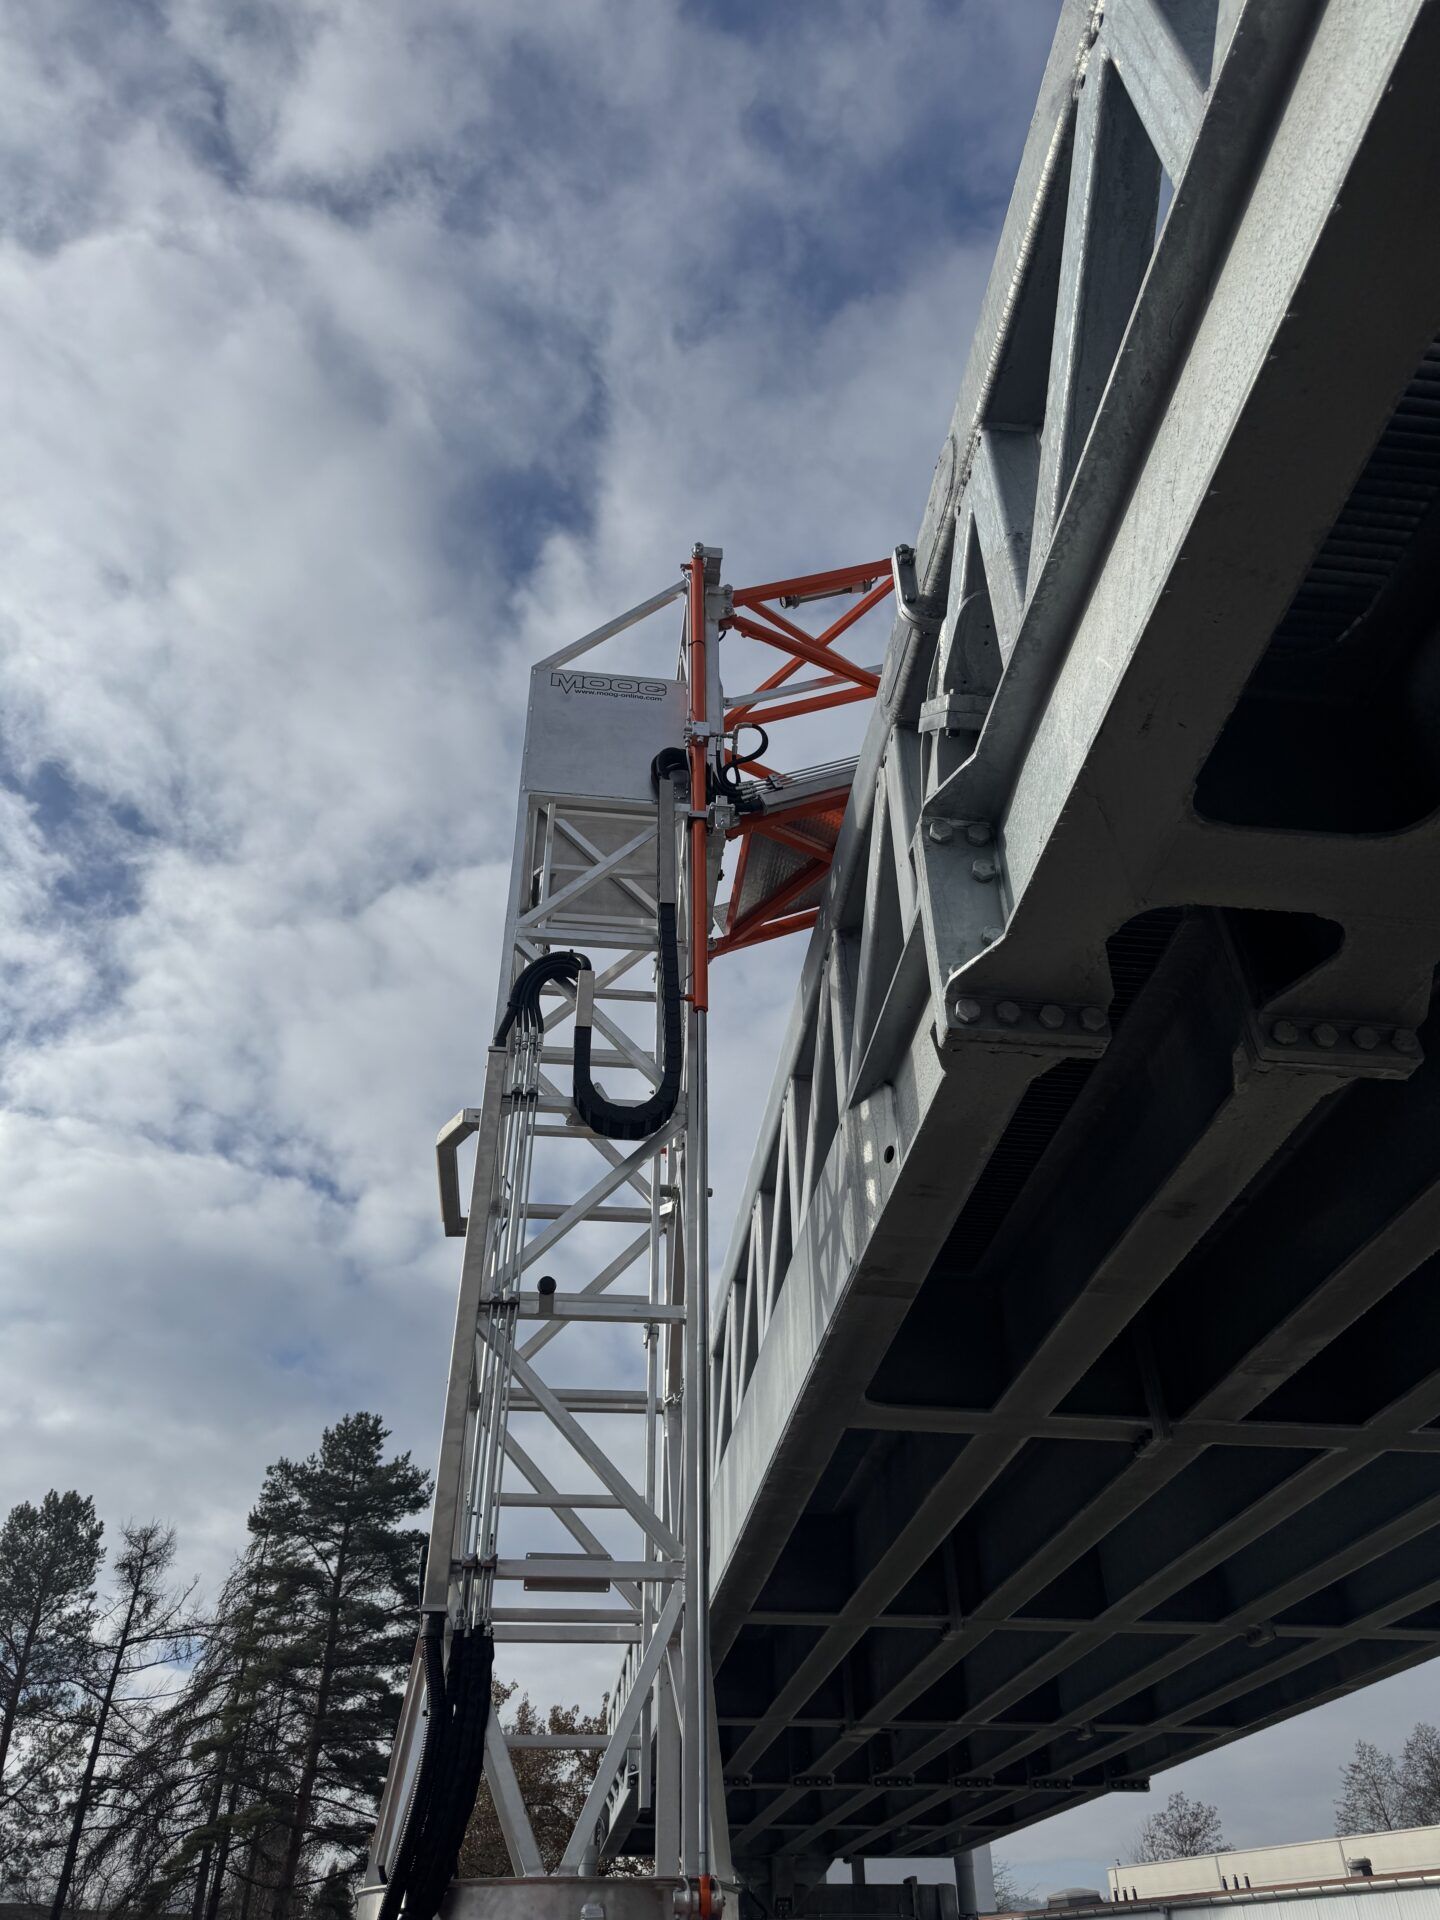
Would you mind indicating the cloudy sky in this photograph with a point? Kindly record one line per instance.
(353, 357)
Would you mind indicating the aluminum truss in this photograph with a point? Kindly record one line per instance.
(572, 1237)
(568, 1233)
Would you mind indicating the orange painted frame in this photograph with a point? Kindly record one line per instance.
(832, 633)
(767, 920)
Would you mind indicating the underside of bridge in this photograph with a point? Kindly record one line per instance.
(1078, 1379)
(1206, 1492)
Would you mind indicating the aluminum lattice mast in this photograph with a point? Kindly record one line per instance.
(588, 1216)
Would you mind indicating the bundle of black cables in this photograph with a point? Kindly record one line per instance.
(727, 780)
(615, 1119)
(457, 1698)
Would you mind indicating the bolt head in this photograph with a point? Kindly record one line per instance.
(941, 831)
(1092, 1019)
(989, 935)
(984, 869)
(1324, 1035)
(1405, 1040)
(967, 1012)
(1052, 1016)
(1285, 1033)
(1007, 1012)
(1366, 1037)
(979, 833)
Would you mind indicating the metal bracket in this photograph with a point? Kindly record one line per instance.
(995, 1019)
(451, 1138)
(1341, 1045)
(955, 713)
(911, 605)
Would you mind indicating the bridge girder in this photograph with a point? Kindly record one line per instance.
(1073, 1389)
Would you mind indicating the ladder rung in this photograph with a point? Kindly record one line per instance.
(581, 1742)
(564, 1568)
(600, 1057)
(555, 1210)
(636, 996)
(627, 936)
(585, 1400)
(547, 1500)
(599, 1634)
(567, 1616)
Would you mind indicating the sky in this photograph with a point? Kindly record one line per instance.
(352, 359)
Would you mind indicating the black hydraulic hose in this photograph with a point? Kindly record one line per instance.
(615, 1119)
(523, 1008)
(464, 1715)
(402, 1867)
(728, 781)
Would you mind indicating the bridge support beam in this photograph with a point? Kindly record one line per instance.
(974, 1883)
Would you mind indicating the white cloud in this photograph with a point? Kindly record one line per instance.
(352, 359)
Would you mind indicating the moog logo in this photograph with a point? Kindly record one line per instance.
(609, 686)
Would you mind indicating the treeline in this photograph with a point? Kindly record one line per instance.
(223, 1764)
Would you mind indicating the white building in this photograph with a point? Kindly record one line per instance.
(1409, 1853)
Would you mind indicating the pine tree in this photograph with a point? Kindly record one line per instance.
(218, 1737)
(49, 1558)
(150, 1625)
(326, 1642)
(333, 1899)
(166, 1845)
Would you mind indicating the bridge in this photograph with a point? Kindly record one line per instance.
(1076, 1375)
(1074, 1391)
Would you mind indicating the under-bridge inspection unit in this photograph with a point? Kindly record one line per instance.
(1067, 1403)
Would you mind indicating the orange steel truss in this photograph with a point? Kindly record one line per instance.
(759, 619)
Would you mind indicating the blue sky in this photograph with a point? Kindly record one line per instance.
(352, 358)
